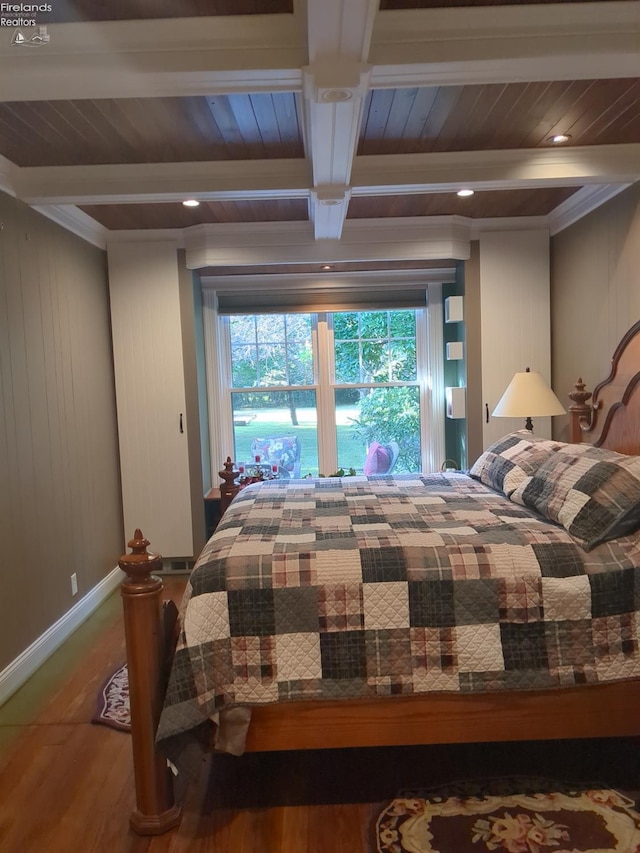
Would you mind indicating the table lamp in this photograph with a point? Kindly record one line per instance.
(528, 396)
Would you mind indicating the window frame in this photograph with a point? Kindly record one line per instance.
(430, 380)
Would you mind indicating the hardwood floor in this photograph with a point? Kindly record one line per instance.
(67, 786)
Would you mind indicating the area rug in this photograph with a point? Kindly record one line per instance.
(113, 701)
(515, 815)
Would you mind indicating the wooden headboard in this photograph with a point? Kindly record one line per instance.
(610, 417)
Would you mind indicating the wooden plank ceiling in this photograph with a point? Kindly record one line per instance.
(483, 205)
(236, 125)
(499, 116)
(263, 126)
(151, 130)
(268, 126)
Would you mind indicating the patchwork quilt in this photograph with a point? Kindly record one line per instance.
(364, 587)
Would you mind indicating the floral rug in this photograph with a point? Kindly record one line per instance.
(509, 816)
(113, 701)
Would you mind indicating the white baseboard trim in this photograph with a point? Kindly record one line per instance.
(23, 667)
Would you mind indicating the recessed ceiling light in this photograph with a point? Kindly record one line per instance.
(191, 202)
(336, 96)
(559, 138)
(326, 267)
(465, 193)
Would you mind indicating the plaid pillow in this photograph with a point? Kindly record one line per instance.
(593, 493)
(512, 460)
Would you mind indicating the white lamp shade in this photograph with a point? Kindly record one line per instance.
(528, 396)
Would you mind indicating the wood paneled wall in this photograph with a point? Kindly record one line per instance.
(515, 323)
(595, 291)
(60, 505)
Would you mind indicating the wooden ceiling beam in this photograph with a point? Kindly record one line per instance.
(163, 182)
(518, 43)
(385, 174)
(389, 174)
(158, 58)
(266, 53)
(335, 85)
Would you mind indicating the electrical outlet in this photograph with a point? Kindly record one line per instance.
(74, 584)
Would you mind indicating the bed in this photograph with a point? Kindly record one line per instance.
(498, 605)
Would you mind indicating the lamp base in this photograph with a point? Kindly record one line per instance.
(529, 424)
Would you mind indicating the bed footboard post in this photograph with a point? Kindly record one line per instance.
(141, 591)
(580, 412)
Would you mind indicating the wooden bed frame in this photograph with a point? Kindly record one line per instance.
(608, 418)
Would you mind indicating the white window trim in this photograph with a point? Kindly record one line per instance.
(432, 382)
(430, 379)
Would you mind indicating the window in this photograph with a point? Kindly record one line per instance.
(377, 395)
(311, 393)
(273, 391)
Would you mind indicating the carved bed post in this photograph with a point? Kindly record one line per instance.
(580, 412)
(155, 810)
(229, 489)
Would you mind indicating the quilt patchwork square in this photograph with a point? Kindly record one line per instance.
(340, 607)
(479, 648)
(388, 654)
(431, 604)
(344, 655)
(386, 605)
(433, 650)
(298, 657)
(295, 610)
(523, 645)
(387, 563)
(477, 602)
(251, 612)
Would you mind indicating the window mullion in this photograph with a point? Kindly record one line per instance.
(327, 443)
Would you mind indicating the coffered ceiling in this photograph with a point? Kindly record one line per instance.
(320, 130)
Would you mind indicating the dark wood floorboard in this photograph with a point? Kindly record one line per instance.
(67, 785)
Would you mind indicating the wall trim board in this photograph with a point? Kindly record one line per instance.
(25, 665)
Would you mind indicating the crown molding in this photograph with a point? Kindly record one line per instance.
(582, 203)
(151, 235)
(394, 237)
(76, 221)
(478, 227)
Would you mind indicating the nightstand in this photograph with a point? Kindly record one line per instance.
(212, 511)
